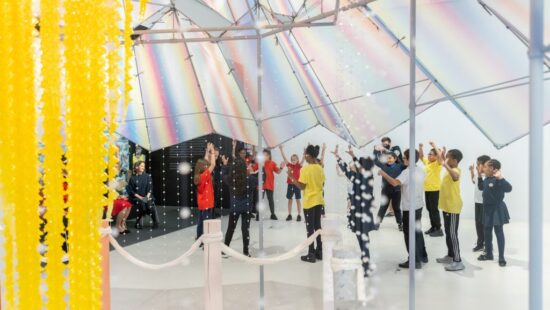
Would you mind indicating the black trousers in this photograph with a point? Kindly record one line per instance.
(451, 221)
(245, 229)
(364, 245)
(420, 247)
(480, 229)
(432, 204)
(143, 209)
(313, 223)
(394, 196)
(499, 232)
(269, 194)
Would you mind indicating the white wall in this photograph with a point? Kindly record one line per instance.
(446, 126)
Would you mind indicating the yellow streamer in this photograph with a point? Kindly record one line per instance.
(26, 174)
(128, 54)
(50, 20)
(142, 8)
(8, 118)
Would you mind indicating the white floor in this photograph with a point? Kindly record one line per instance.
(297, 285)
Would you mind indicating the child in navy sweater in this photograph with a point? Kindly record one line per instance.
(495, 212)
(393, 168)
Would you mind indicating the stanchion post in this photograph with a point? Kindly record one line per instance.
(212, 265)
(105, 265)
(330, 237)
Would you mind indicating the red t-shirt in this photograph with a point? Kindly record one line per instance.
(205, 192)
(269, 167)
(295, 169)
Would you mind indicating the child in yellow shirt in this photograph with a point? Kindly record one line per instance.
(432, 183)
(450, 202)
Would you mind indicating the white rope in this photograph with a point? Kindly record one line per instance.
(145, 265)
(350, 264)
(271, 260)
(212, 238)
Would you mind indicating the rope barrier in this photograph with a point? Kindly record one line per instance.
(145, 265)
(271, 260)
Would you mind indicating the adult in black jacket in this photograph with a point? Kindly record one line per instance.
(140, 193)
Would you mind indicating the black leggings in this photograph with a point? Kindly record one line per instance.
(269, 194)
(499, 231)
(245, 229)
(480, 229)
(395, 197)
(313, 223)
(432, 202)
(420, 247)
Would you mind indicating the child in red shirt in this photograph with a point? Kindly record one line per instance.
(205, 189)
(294, 165)
(270, 167)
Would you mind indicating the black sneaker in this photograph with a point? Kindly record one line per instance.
(484, 257)
(502, 262)
(437, 233)
(376, 226)
(310, 258)
(405, 265)
(299, 218)
(478, 248)
(319, 255)
(429, 231)
(274, 217)
(289, 218)
(400, 227)
(425, 260)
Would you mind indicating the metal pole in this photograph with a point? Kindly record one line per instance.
(260, 165)
(412, 158)
(536, 112)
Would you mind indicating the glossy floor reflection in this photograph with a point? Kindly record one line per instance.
(298, 285)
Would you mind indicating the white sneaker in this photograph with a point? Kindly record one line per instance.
(444, 260)
(455, 266)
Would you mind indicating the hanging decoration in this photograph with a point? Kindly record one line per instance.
(61, 82)
(51, 65)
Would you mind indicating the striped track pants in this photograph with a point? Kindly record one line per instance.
(451, 221)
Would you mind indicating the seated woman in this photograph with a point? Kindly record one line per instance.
(140, 191)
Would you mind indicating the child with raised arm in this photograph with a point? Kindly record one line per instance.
(478, 200)
(312, 178)
(361, 216)
(390, 193)
(450, 202)
(205, 190)
(495, 212)
(270, 168)
(432, 166)
(421, 256)
(295, 164)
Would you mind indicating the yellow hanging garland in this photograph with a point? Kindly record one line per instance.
(26, 176)
(50, 20)
(7, 142)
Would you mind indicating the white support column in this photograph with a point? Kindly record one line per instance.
(412, 155)
(536, 112)
(330, 237)
(213, 294)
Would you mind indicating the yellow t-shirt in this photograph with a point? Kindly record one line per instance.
(450, 200)
(313, 176)
(432, 182)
